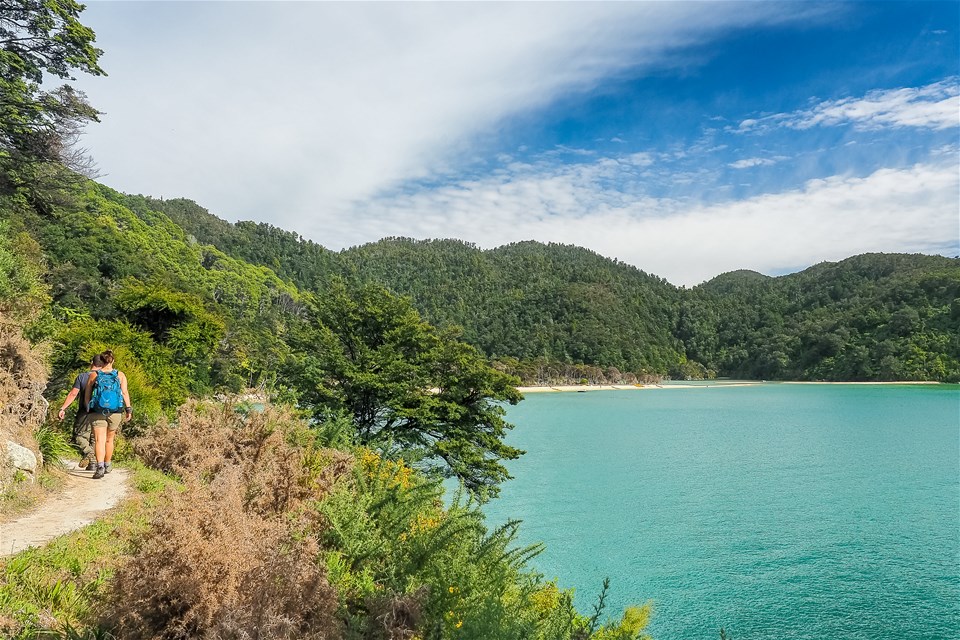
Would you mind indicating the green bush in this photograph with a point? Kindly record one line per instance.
(54, 445)
(405, 566)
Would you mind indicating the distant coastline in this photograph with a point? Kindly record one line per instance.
(561, 388)
(700, 384)
(884, 382)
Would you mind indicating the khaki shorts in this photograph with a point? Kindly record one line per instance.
(111, 422)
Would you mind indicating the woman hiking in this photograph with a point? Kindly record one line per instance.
(81, 427)
(109, 404)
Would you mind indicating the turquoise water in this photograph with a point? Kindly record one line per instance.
(774, 511)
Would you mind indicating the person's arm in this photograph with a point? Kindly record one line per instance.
(127, 406)
(66, 403)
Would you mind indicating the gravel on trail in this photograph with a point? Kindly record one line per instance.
(80, 503)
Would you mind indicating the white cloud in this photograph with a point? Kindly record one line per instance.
(747, 163)
(318, 117)
(286, 111)
(934, 106)
(892, 210)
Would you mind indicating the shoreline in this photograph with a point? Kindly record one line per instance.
(884, 382)
(566, 388)
(699, 384)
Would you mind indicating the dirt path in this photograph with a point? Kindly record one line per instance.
(82, 501)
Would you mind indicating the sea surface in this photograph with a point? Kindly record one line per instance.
(776, 511)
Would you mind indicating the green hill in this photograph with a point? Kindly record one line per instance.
(526, 300)
(193, 318)
(869, 317)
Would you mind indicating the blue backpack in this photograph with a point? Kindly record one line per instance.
(106, 396)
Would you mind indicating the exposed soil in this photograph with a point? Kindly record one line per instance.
(81, 501)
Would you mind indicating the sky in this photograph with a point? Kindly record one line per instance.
(686, 138)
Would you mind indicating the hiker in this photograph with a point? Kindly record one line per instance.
(107, 399)
(81, 426)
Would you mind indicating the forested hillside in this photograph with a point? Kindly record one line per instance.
(527, 300)
(530, 300)
(190, 317)
(870, 317)
(301, 261)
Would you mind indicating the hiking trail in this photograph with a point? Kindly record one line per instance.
(81, 501)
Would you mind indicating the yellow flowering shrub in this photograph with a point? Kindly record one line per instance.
(634, 621)
(407, 566)
(546, 598)
(393, 474)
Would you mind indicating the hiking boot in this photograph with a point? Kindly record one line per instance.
(99, 473)
(107, 468)
(84, 463)
(92, 466)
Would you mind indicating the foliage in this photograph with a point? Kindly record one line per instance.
(544, 372)
(177, 320)
(23, 295)
(529, 300)
(870, 317)
(525, 300)
(155, 381)
(38, 38)
(23, 377)
(231, 555)
(405, 566)
(212, 321)
(538, 308)
(406, 386)
(269, 534)
(38, 129)
(291, 256)
(54, 445)
(211, 567)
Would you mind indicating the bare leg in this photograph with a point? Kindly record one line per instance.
(100, 446)
(111, 435)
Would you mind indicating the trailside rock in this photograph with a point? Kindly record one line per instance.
(19, 457)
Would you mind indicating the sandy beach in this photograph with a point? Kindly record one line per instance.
(631, 387)
(580, 387)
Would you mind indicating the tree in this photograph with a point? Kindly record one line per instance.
(176, 320)
(23, 294)
(406, 386)
(39, 128)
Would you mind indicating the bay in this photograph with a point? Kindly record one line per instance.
(774, 511)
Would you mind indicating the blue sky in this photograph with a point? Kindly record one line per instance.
(686, 138)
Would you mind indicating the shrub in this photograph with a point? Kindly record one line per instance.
(273, 536)
(212, 568)
(232, 554)
(279, 465)
(23, 377)
(53, 445)
(405, 567)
